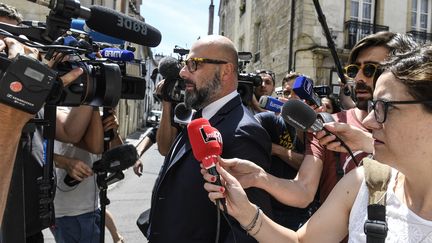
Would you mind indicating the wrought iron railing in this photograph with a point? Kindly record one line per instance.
(421, 37)
(355, 31)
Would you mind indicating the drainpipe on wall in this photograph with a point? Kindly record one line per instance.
(291, 37)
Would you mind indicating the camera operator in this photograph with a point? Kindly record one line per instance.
(267, 87)
(14, 120)
(76, 208)
(167, 130)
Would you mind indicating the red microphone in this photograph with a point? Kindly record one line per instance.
(206, 142)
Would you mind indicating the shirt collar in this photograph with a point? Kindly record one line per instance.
(209, 111)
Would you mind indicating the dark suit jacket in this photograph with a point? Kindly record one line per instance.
(181, 210)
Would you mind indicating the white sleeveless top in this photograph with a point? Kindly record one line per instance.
(404, 225)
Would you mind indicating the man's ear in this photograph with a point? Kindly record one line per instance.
(228, 70)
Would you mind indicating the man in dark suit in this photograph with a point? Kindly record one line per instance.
(180, 210)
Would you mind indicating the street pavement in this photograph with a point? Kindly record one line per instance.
(130, 196)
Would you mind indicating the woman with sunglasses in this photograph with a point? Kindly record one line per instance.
(400, 118)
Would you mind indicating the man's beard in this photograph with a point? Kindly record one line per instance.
(362, 102)
(198, 99)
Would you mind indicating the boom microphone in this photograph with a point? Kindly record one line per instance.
(107, 21)
(79, 24)
(303, 88)
(113, 160)
(270, 103)
(116, 54)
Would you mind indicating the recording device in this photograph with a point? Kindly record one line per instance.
(246, 81)
(322, 90)
(173, 89)
(270, 103)
(183, 114)
(26, 83)
(206, 143)
(112, 161)
(101, 19)
(303, 88)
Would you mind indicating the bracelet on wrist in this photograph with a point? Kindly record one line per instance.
(252, 224)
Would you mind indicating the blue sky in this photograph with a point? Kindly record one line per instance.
(181, 22)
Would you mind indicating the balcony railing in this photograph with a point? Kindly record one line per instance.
(355, 31)
(421, 37)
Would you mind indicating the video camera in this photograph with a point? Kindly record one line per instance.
(173, 89)
(247, 81)
(103, 82)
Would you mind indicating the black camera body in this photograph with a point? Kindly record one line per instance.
(246, 86)
(322, 90)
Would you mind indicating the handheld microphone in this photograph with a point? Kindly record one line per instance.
(303, 87)
(116, 54)
(301, 116)
(182, 114)
(79, 24)
(113, 160)
(270, 103)
(206, 142)
(108, 21)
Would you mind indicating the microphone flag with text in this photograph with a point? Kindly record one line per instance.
(270, 103)
(303, 88)
(112, 161)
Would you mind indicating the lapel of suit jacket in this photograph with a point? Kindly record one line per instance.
(217, 118)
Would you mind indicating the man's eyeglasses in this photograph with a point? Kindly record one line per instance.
(369, 70)
(192, 63)
(380, 107)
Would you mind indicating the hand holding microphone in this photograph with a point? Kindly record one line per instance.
(112, 161)
(206, 142)
(301, 116)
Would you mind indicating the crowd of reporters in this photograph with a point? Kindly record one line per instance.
(298, 179)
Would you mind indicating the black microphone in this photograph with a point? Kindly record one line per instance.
(107, 21)
(115, 24)
(113, 160)
(182, 114)
(301, 116)
(169, 68)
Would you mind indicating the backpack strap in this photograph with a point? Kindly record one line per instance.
(377, 177)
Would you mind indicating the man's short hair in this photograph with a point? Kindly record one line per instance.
(10, 12)
(290, 76)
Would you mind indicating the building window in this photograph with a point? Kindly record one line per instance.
(420, 15)
(257, 42)
(361, 10)
(361, 20)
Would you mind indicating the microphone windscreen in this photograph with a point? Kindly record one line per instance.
(206, 141)
(117, 159)
(115, 24)
(182, 112)
(298, 114)
(169, 68)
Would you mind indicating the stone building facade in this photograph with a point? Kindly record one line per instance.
(285, 35)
